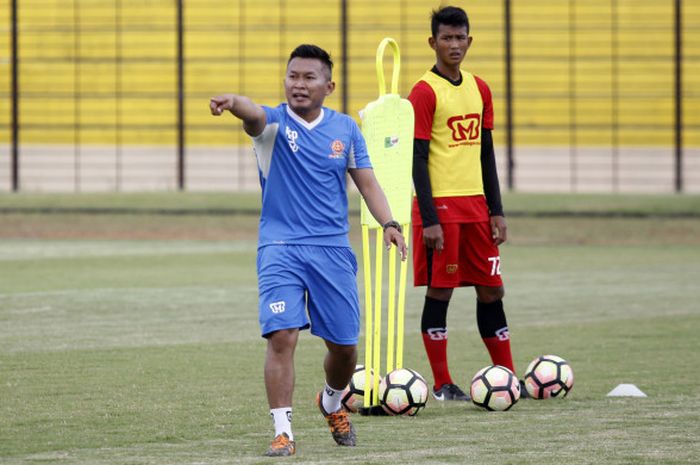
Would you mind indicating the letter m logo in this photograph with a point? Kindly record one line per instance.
(464, 127)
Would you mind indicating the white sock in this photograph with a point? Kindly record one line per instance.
(282, 418)
(331, 399)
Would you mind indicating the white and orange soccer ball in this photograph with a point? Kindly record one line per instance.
(549, 376)
(495, 388)
(403, 392)
(354, 394)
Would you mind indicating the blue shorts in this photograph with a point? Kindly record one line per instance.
(324, 279)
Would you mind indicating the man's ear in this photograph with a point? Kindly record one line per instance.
(431, 42)
(330, 87)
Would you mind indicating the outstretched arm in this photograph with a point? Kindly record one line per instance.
(243, 108)
(376, 201)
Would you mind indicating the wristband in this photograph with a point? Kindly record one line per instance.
(392, 224)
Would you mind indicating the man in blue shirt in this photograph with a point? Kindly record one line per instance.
(305, 262)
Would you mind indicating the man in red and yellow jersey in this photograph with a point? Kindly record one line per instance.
(458, 220)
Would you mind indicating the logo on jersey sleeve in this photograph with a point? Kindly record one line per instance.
(465, 128)
(338, 149)
(292, 139)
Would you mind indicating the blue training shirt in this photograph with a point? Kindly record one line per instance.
(302, 168)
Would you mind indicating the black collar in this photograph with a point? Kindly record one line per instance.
(454, 83)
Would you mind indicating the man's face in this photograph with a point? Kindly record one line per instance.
(451, 44)
(307, 84)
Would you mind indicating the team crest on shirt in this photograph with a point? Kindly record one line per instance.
(337, 148)
(451, 269)
(465, 129)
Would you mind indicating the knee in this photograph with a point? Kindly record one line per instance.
(283, 341)
(344, 352)
(489, 295)
(443, 294)
(349, 353)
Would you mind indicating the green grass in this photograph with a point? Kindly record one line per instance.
(543, 204)
(131, 201)
(605, 204)
(133, 339)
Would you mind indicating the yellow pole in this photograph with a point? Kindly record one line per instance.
(402, 301)
(367, 271)
(377, 343)
(391, 311)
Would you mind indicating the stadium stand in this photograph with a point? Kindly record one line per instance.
(593, 86)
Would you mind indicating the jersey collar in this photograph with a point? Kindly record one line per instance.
(303, 122)
(456, 83)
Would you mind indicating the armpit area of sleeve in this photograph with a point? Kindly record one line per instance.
(422, 97)
(272, 114)
(487, 118)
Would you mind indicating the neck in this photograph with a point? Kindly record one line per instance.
(308, 115)
(450, 71)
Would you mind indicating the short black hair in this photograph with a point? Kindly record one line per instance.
(313, 51)
(449, 16)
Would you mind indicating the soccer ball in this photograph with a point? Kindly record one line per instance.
(354, 394)
(549, 376)
(495, 388)
(403, 392)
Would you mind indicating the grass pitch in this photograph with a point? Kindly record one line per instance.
(128, 335)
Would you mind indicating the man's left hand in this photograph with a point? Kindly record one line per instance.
(499, 229)
(393, 236)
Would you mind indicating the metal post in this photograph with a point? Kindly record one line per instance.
(118, 139)
(615, 97)
(345, 61)
(240, 61)
(15, 99)
(180, 100)
(678, 97)
(282, 51)
(507, 24)
(403, 33)
(573, 149)
(77, 97)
